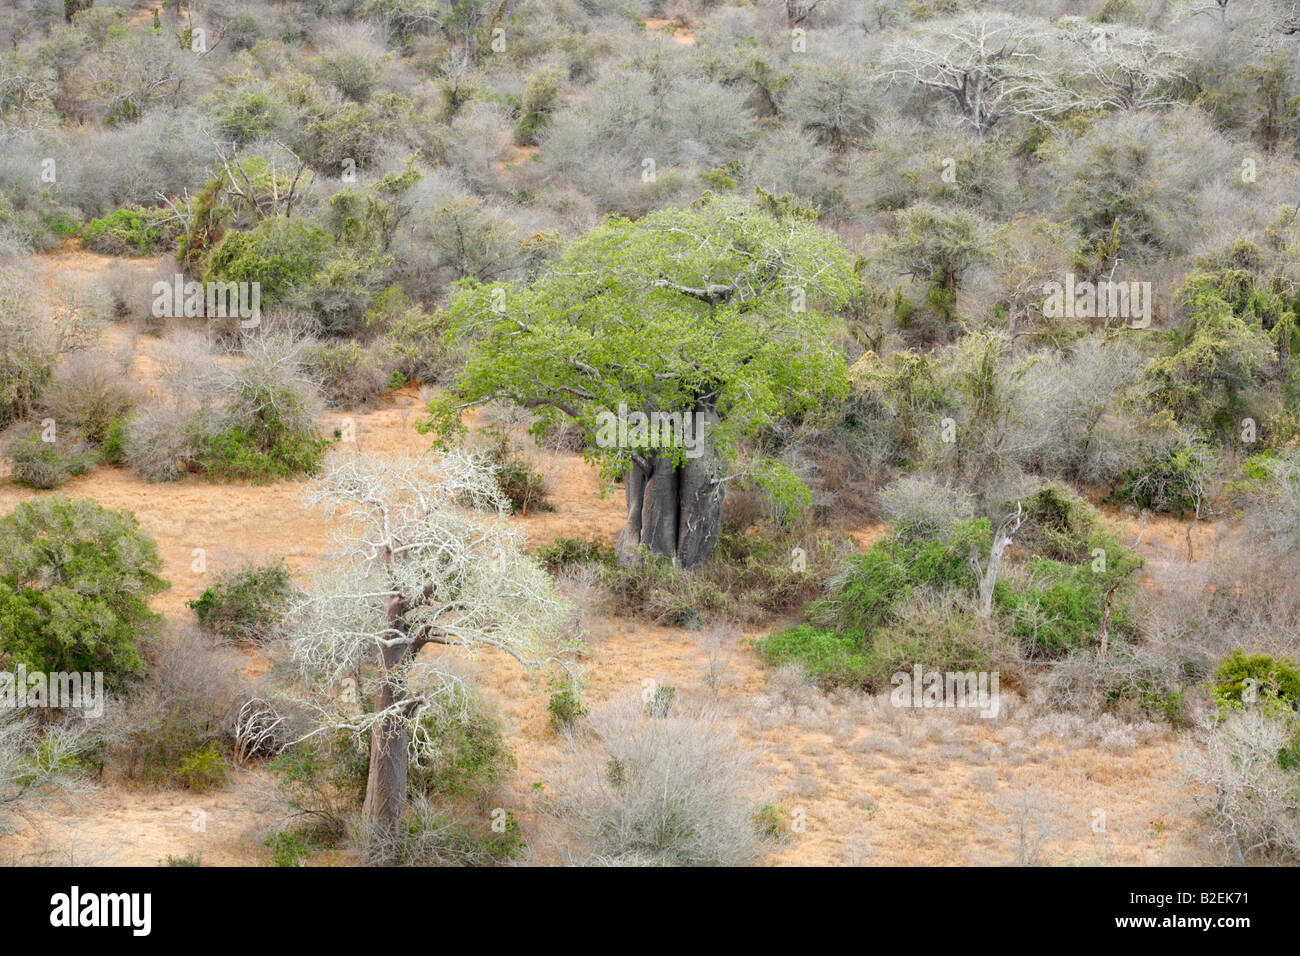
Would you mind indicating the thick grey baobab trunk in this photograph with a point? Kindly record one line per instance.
(385, 803)
(673, 511)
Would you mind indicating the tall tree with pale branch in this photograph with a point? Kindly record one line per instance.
(426, 557)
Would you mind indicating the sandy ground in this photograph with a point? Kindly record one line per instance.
(856, 783)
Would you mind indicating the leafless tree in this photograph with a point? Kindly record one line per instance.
(426, 558)
(1126, 67)
(990, 65)
(1254, 801)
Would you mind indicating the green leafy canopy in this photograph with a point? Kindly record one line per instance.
(723, 304)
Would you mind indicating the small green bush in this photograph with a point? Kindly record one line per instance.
(564, 552)
(238, 454)
(114, 446)
(661, 701)
(566, 709)
(281, 254)
(203, 769)
(473, 757)
(128, 232)
(292, 847)
(521, 483)
(246, 606)
(1169, 481)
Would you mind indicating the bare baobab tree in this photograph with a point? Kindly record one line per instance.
(427, 558)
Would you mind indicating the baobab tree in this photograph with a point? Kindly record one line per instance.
(990, 65)
(425, 558)
(712, 321)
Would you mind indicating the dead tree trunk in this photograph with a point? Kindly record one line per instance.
(987, 578)
(676, 510)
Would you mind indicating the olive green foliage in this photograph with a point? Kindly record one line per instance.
(935, 248)
(565, 552)
(472, 758)
(566, 709)
(75, 581)
(204, 769)
(247, 605)
(539, 100)
(1221, 353)
(1172, 480)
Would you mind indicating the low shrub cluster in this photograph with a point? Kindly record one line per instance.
(910, 599)
(246, 606)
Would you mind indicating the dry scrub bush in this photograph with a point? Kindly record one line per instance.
(920, 507)
(673, 790)
(89, 393)
(190, 698)
(1033, 823)
(1072, 411)
(790, 698)
(37, 762)
(1146, 175)
(1254, 799)
(27, 348)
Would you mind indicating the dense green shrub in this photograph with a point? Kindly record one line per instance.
(241, 454)
(539, 101)
(1275, 682)
(1060, 606)
(204, 769)
(281, 254)
(473, 757)
(75, 580)
(247, 605)
(128, 232)
(1172, 480)
(263, 435)
(910, 600)
(937, 633)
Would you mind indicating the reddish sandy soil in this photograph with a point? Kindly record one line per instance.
(863, 783)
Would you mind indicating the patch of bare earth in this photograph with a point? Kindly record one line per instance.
(856, 781)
